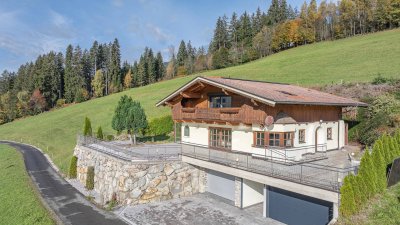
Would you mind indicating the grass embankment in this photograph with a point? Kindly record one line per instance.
(19, 204)
(383, 209)
(357, 59)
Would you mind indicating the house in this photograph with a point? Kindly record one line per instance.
(265, 144)
(273, 120)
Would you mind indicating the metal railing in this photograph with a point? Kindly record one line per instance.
(328, 177)
(138, 153)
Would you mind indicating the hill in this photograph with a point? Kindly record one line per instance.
(357, 59)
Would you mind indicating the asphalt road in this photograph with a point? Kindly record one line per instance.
(68, 204)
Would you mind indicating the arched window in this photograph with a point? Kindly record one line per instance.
(186, 131)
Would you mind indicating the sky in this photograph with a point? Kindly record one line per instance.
(29, 28)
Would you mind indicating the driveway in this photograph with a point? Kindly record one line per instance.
(68, 204)
(200, 209)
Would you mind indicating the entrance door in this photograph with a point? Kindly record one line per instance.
(319, 138)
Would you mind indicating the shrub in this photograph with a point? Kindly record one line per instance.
(87, 129)
(60, 103)
(109, 137)
(347, 204)
(99, 133)
(90, 178)
(72, 167)
(380, 80)
(160, 126)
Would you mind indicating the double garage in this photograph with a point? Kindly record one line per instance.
(281, 205)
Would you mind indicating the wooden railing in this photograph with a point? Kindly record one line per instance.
(233, 115)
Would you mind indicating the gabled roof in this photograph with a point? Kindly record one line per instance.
(269, 93)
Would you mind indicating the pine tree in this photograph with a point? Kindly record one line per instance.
(347, 201)
(87, 128)
(160, 69)
(99, 134)
(182, 54)
(69, 75)
(380, 166)
(273, 15)
(115, 66)
(136, 120)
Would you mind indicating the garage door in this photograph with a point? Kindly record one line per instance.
(293, 208)
(221, 184)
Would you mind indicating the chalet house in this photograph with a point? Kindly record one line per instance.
(264, 119)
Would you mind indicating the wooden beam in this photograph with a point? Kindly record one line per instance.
(254, 102)
(225, 92)
(190, 95)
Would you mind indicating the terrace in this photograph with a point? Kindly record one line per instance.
(326, 173)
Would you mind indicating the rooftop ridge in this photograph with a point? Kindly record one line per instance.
(241, 79)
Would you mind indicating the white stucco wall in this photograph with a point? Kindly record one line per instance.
(252, 193)
(242, 136)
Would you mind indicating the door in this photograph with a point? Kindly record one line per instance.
(319, 139)
(292, 208)
(221, 184)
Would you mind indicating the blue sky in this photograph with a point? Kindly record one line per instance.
(32, 27)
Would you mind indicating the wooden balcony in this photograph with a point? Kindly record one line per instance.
(219, 115)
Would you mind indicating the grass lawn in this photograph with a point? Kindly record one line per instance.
(383, 209)
(357, 59)
(19, 204)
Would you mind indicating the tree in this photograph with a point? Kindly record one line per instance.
(130, 116)
(115, 66)
(262, 42)
(98, 84)
(87, 128)
(99, 133)
(347, 201)
(136, 120)
(221, 58)
(128, 79)
(37, 103)
(160, 126)
(182, 54)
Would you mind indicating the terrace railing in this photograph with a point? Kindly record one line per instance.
(325, 177)
(138, 154)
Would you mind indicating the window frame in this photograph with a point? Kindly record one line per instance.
(221, 139)
(278, 137)
(186, 131)
(329, 135)
(220, 103)
(302, 138)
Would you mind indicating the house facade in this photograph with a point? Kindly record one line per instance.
(271, 120)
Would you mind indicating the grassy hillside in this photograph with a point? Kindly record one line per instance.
(19, 205)
(355, 59)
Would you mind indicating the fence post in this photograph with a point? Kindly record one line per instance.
(301, 173)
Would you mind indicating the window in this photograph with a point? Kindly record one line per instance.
(288, 139)
(259, 139)
(329, 133)
(220, 101)
(302, 136)
(274, 139)
(186, 131)
(220, 138)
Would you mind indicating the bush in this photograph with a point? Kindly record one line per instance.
(99, 133)
(380, 80)
(60, 103)
(90, 178)
(160, 126)
(109, 137)
(87, 129)
(72, 167)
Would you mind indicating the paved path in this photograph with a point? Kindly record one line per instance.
(199, 209)
(69, 205)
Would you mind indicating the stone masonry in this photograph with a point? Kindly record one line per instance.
(138, 182)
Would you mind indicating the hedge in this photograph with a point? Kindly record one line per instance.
(72, 167)
(90, 178)
(371, 177)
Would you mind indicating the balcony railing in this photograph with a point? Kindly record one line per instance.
(233, 115)
(325, 177)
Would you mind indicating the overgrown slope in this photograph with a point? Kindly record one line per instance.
(356, 59)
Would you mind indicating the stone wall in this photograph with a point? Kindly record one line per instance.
(134, 182)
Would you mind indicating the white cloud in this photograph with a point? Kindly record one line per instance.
(158, 33)
(118, 3)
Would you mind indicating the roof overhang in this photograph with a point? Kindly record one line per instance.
(216, 84)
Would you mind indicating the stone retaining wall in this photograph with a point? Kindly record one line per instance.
(138, 182)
